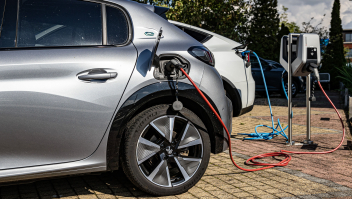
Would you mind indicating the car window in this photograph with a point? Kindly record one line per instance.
(254, 62)
(195, 34)
(277, 65)
(117, 26)
(264, 63)
(8, 23)
(59, 23)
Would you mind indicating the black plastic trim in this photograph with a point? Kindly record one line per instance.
(207, 38)
(247, 109)
(161, 11)
(232, 93)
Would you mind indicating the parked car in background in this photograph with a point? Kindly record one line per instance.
(273, 72)
(79, 95)
(238, 81)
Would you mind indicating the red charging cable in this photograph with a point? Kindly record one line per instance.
(283, 153)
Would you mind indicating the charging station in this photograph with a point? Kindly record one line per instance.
(300, 56)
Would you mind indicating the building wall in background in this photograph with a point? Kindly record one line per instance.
(347, 41)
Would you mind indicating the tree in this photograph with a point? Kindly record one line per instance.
(322, 31)
(227, 18)
(292, 26)
(284, 30)
(264, 28)
(334, 55)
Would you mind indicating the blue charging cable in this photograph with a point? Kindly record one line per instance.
(275, 130)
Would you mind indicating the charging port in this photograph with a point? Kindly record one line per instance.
(163, 72)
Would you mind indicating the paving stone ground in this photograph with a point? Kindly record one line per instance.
(221, 180)
(307, 176)
(326, 132)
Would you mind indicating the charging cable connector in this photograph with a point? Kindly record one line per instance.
(174, 63)
(314, 68)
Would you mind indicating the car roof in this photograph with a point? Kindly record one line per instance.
(267, 60)
(150, 7)
(272, 62)
(226, 44)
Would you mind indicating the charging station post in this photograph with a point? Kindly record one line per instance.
(308, 93)
(289, 89)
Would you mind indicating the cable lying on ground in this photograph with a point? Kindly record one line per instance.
(252, 161)
(275, 131)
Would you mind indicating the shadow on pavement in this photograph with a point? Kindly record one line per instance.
(97, 185)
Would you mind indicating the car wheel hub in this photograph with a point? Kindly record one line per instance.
(294, 89)
(169, 151)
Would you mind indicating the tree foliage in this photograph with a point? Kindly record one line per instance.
(308, 27)
(334, 55)
(284, 30)
(227, 18)
(292, 26)
(264, 27)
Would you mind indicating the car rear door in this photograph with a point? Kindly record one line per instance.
(62, 74)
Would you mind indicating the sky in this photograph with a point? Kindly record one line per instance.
(303, 10)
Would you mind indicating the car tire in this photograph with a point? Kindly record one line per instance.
(161, 162)
(295, 89)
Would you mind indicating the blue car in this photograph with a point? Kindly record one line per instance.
(273, 76)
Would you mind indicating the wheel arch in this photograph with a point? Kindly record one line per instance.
(155, 94)
(233, 94)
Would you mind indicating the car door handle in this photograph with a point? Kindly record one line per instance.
(101, 76)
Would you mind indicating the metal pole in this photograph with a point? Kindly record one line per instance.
(308, 93)
(289, 86)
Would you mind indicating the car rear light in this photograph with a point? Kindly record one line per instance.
(203, 54)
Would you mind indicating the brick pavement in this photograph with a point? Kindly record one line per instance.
(306, 176)
(336, 166)
(221, 180)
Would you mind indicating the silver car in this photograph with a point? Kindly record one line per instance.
(78, 95)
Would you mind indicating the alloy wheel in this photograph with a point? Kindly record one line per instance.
(169, 151)
(294, 89)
